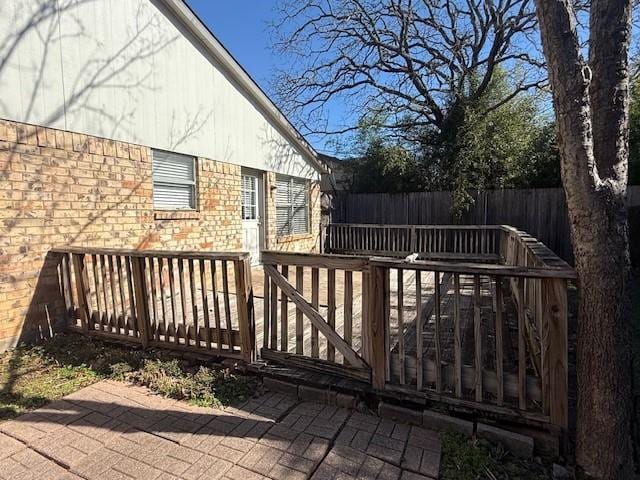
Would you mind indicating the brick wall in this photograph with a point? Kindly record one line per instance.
(60, 188)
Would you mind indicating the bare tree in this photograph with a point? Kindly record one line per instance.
(413, 61)
(591, 100)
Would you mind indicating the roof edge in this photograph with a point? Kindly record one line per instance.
(192, 22)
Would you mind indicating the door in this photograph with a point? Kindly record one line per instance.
(252, 214)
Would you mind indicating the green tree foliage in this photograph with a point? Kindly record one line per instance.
(634, 134)
(511, 146)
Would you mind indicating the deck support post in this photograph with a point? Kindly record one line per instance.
(376, 354)
(82, 289)
(554, 350)
(244, 297)
(140, 293)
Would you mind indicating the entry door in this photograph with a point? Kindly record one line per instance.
(252, 214)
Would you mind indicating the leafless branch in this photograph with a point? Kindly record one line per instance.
(409, 58)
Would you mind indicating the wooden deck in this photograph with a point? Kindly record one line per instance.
(478, 320)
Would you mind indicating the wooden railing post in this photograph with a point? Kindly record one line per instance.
(244, 297)
(554, 350)
(82, 289)
(140, 294)
(376, 320)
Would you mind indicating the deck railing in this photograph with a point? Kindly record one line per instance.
(475, 242)
(306, 322)
(201, 302)
(485, 327)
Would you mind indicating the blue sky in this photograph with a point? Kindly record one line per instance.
(241, 25)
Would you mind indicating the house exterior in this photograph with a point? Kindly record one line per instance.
(128, 125)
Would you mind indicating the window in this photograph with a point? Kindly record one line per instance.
(174, 181)
(249, 197)
(292, 205)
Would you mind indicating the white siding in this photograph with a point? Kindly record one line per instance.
(124, 70)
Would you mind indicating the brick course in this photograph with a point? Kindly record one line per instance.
(59, 188)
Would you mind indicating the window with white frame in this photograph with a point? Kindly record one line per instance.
(249, 197)
(174, 181)
(292, 205)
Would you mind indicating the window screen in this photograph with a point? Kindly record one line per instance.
(174, 181)
(292, 205)
(249, 197)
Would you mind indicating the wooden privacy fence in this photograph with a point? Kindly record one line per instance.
(541, 211)
(201, 302)
(466, 330)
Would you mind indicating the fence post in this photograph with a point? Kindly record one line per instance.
(140, 293)
(244, 297)
(82, 289)
(378, 296)
(554, 350)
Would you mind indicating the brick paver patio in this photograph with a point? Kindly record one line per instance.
(114, 430)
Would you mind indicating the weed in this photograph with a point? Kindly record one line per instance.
(203, 386)
(32, 376)
(467, 459)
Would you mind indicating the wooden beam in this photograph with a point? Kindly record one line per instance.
(376, 325)
(339, 262)
(554, 347)
(140, 292)
(475, 268)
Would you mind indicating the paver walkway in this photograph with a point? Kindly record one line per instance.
(114, 430)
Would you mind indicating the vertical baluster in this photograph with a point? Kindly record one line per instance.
(499, 346)
(96, 285)
(194, 304)
(522, 359)
(154, 299)
(132, 309)
(387, 323)
(436, 293)
(365, 314)
(284, 315)
(457, 335)
(227, 306)
(331, 310)
(105, 293)
(205, 305)
(125, 316)
(348, 308)
(172, 292)
(299, 323)
(274, 315)
(492, 241)
(115, 324)
(67, 288)
(266, 310)
(182, 328)
(477, 335)
(161, 293)
(315, 303)
(419, 328)
(401, 325)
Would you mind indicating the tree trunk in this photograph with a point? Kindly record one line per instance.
(592, 122)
